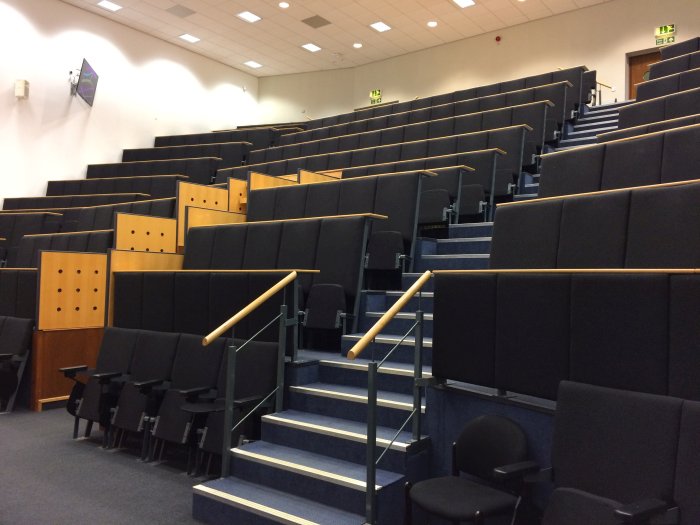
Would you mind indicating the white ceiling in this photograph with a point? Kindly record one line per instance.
(275, 40)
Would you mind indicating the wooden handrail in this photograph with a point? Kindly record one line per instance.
(358, 348)
(208, 339)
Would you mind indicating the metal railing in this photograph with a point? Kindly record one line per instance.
(230, 423)
(598, 93)
(372, 370)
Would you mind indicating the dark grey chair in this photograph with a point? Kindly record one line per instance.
(484, 444)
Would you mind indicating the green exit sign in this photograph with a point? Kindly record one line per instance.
(663, 31)
(375, 96)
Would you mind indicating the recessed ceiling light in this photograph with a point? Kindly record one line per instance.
(380, 26)
(464, 3)
(110, 6)
(189, 38)
(432, 23)
(248, 16)
(311, 47)
(284, 5)
(357, 45)
(253, 64)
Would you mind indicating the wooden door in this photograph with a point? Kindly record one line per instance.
(638, 69)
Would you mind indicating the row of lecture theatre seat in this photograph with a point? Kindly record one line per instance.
(533, 115)
(164, 371)
(555, 93)
(424, 154)
(652, 158)
(14, 226)
(582, 83)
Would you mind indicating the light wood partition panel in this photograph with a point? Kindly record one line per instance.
(313, 177)
(190, 194)
(145, 233)
(260, 181)
(237, 195)
(203, 217)
(291, 177)
(72, 290)
(336, 174)
(128, 261)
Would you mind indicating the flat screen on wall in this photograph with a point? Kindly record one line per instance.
(87, 83)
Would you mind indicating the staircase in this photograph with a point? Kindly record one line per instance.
(466, 248)
(309, 465)
(592, 121)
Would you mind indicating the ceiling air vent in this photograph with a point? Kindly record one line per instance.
(316, 21)
(180, 10)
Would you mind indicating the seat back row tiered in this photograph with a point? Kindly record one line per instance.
(424, 127)
(668, 85)
(622, 328)
(69, 201)
(660, 157)
(555, 93)
(335, 246)
(157, 186)
(681, 48)
(510, 140)
(396, 196)
(582, 83)
(230, 153)
(643, 129)
(199, 170)
(262, 137)
(675, 65)
(657, 109)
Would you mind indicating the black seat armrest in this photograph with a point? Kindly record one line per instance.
(71, 371)
(515, 470)
(148, 385)
(202, 408)
(193, 393)
(641, 511)
(6, 357)
(247, 401)
(106, 377)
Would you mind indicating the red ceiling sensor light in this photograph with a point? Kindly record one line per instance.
(498, 38)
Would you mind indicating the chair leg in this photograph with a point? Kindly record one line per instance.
(408, 507)
(76, 427)
(88, 428)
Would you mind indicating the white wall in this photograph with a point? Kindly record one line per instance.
(146, 87)
(599, 37)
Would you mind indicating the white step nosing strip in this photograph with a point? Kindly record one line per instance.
(471, 224)
(457, 256)
(354, 398)
(252, 506)
(334, 432)
(465, 239)
(297, 468)
(399, 293)
(402, 315)
(363, 367)
(391, 340)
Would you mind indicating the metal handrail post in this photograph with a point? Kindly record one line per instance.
(371, 496)
(417, 375)
(228, 408)
(281, 351)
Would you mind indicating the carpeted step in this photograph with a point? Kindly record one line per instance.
(331, 399)
(399, 325)
(472, 261)
(339, 438)
(310, 475)
(232, 500)
(470, 229)
(478, 245)
(383, 344)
